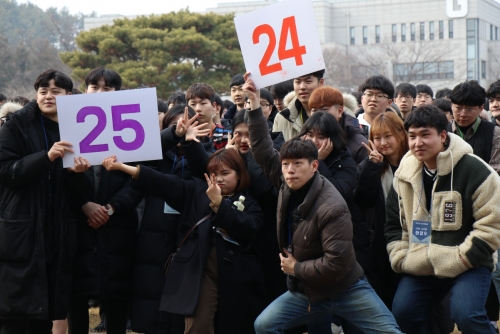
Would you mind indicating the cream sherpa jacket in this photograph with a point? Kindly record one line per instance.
(467, 191)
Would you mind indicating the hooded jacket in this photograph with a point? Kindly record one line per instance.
(288, 121)
(465, 214)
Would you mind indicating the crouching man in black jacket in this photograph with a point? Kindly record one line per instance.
(315, 237)
(37, 230)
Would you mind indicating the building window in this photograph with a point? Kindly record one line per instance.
(423, 71)
(412, 31)
(365, 35)
(377, 34)
(394, 33)
(483, 69)
(422, 31)
(403, 32)
(473, 49)
(450, 29)
(441, 29)
(496, 33)
(352, 36)
(431, 30)
(491, 32)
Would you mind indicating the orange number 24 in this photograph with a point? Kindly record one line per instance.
(288, 28)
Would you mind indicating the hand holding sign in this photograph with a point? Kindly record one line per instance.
(280, 42)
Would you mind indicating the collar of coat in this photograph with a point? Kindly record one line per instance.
(410, 168)
(311, 196)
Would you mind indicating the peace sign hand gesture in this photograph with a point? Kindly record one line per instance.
(184, 123)
(230, 141)
(374, 155)
(213, 191)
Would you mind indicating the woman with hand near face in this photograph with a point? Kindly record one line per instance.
(215, 278)
(387, 146)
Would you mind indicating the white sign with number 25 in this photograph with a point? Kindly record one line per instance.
(280, 42)
(123, 123)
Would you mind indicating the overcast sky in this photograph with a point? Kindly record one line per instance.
(128, 7)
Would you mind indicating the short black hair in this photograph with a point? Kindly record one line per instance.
(61, 80)
(237, 80)
(378, 82)
(201, 91)
(176, 98)
(240, 117)
(175, 111)
(162, 106)
(280, 90)
(266, 95)
(226, 104)
(297, 148)
(493, 91)
(443, 104)
(111, 78)
(358, 95)
(468, 93)
(427, 116)
(318, 74)
(325, 124)
(424, 89)
(75, 91)
(445, 92)
(218, 100)
(406, 89)
(3, 98)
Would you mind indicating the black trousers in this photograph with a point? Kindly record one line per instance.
(26, 327)
(116, 316)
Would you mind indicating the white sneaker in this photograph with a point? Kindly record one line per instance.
(337, 329)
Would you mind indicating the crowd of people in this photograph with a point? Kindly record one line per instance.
(294, 208)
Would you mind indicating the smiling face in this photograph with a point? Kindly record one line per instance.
(387, 144)
(46, 99)
(242, 141)
(297, 172)
(304, 86)
(426, 143)
(226, 178)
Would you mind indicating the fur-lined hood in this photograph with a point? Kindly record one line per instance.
(9, 107)
(350, 104)
(288, 98)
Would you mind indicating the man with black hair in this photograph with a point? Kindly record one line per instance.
(424, 95)
(101, 79)
(237, 95)
(443, 93)
(442, 226)
(493, 95)
(176, 98)
(315, 237)
(444, 105)
(404, 97)
(467, 100)
(378, 92)
(279, 91)
(290, 120)
(37, 228)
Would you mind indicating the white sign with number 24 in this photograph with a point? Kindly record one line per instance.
(280, 42)
(123, 123)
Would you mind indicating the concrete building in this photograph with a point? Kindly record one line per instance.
(437, 42)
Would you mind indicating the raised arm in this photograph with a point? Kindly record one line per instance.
(262, 144)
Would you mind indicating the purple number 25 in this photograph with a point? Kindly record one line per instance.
(119, 124)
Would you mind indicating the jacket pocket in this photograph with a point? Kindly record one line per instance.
(446, 211)
(16, 239)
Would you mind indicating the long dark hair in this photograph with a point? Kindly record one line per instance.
(326, 125)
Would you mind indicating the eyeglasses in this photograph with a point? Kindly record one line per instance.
(379, 97)
(468, 111)
(264, 105)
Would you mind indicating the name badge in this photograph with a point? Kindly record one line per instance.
(421, 232)
(169, 210)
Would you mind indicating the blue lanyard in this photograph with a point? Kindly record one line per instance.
(173, 166)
